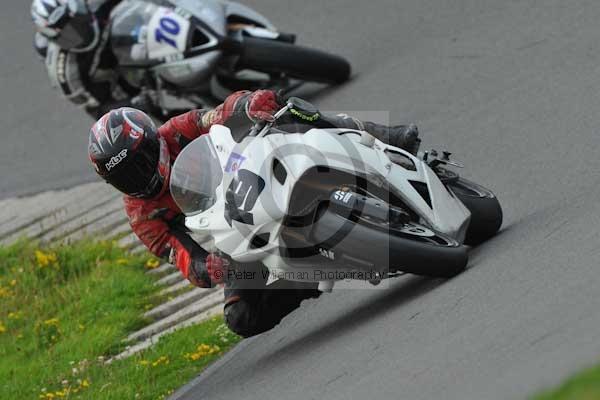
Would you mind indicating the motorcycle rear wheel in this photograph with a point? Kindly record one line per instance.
(292, 60)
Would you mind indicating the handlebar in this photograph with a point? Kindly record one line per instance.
(261, 128)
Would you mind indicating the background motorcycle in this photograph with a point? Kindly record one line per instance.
(297, 199)
(202, 50)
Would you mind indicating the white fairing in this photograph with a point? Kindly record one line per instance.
(299, 153)
(158, 35)
(211, 12)
(236, 9)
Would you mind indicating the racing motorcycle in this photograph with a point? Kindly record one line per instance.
(300, 199)
(203, 50)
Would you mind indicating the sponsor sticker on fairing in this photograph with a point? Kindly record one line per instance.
(342, 196)
(234, 163)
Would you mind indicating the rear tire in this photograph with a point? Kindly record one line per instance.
(295, 61)
(486, 212)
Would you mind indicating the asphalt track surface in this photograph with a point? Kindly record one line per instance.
(44, 139)
(512, 88)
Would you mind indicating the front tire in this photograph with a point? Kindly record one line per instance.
(486, 212)
(433, 254)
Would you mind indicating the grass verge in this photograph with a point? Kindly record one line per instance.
(64, 310)
(583, 386)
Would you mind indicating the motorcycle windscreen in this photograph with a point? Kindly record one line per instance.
(196, 176)
(129, 28)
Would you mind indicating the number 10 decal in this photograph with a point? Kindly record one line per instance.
(167, 34)
(167, 31)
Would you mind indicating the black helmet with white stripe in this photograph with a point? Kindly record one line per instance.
(68, 23)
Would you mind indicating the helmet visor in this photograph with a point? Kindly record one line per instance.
(139, 175)
(73, 32)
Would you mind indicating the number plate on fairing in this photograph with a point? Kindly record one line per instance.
(167, 33)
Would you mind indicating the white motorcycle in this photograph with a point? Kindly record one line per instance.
(202, 50)
(322, 205)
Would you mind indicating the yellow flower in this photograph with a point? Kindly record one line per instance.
(161, 360)
(51, 322)
(122, 261)
(152, 263)
(13, 282)
(85, 383)
(15, 315)
(5, 292)
(2, 327)
(202, 350)
(45, 259)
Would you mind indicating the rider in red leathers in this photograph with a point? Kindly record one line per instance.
(131, 154)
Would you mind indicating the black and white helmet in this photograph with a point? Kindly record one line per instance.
(68, 23)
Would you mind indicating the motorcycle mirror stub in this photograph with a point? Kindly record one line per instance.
(367, 139)
(433, 159)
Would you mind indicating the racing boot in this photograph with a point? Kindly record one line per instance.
(404, 136)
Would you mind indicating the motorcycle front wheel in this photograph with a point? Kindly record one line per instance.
(486, 212)
(409, 247)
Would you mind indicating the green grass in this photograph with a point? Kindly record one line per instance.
(66, 309)
(583, 386)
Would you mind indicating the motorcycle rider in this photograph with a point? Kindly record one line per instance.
(128, 152)
(73, 42)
